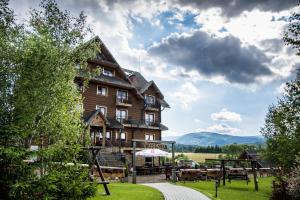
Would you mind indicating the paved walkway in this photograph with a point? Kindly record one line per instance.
(175, 192)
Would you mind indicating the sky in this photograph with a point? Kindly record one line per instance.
(219, 64)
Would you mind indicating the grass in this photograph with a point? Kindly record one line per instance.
(126, 191)
(200, 157)
(236, 190)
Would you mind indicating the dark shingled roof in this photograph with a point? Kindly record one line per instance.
(141, 84)
(113, 80)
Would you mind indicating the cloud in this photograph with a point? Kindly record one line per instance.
(222, 128)
(225, 115)
(232, 8)
(197, 120)
(212, 56)
(281, 89)
(187, 94)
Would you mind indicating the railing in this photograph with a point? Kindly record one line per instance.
(155, 105)
(151, 123)
(120, 100)
(123, 120)
(138, 122)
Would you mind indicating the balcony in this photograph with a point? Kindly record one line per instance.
(152, 106)
(125, 102)
(151, 123)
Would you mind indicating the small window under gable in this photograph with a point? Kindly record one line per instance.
(150, 99)
(108, 72)
(102, 109)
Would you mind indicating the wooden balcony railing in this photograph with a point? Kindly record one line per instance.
(152, 106)
(123, 101)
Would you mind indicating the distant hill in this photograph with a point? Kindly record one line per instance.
(208, 138)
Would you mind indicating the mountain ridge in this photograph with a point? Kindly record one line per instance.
(212, 139)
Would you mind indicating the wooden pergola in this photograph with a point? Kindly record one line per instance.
(254, 167)
(134, 141)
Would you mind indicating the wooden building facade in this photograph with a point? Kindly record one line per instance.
(120, 105)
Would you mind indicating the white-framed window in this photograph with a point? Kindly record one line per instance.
(123, 136)
(107, 72)
(102, 90)
(150, 99)
(121, 115)
(103, 109)
(149, 118)
(149, 137)
(108, 135)
(122, 95)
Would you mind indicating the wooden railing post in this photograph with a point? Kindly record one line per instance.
(173, 164)
(133, 164)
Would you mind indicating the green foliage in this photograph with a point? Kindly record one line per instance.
(292, 34)
(128, 191)
(40, 104)
(181, 157)
(208, 149)
(293, 181)
(234, 150)
(282, 128)
(236, 190)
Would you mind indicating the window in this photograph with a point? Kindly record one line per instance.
(149, 137)
(99, 135)
(102, 109)
(121, 115)
(123, 136)
(149, 118)
(102, 90)
(107, 72)
(122, 95)
(77, 66)
(150, 99)
(108, 135)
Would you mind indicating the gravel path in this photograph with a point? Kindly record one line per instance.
(175, 192)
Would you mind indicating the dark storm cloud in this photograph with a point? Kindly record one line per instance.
(213, 56)
(231, 8)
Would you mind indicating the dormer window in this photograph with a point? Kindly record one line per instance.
(108, 72)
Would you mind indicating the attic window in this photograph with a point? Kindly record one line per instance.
(108, 72)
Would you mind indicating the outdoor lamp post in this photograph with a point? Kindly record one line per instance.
(216, 186)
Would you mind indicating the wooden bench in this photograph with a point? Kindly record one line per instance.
(238, 174)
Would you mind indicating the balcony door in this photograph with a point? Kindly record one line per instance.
(149, 118)
(122, 95)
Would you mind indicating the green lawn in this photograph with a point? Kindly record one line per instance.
(236, 190)
(126, 191)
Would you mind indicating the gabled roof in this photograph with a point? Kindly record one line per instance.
(112, 61)
(138, 80)
(111, 123)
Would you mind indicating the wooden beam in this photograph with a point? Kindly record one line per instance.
(103, 134)
(154, 141)
(133, 163)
